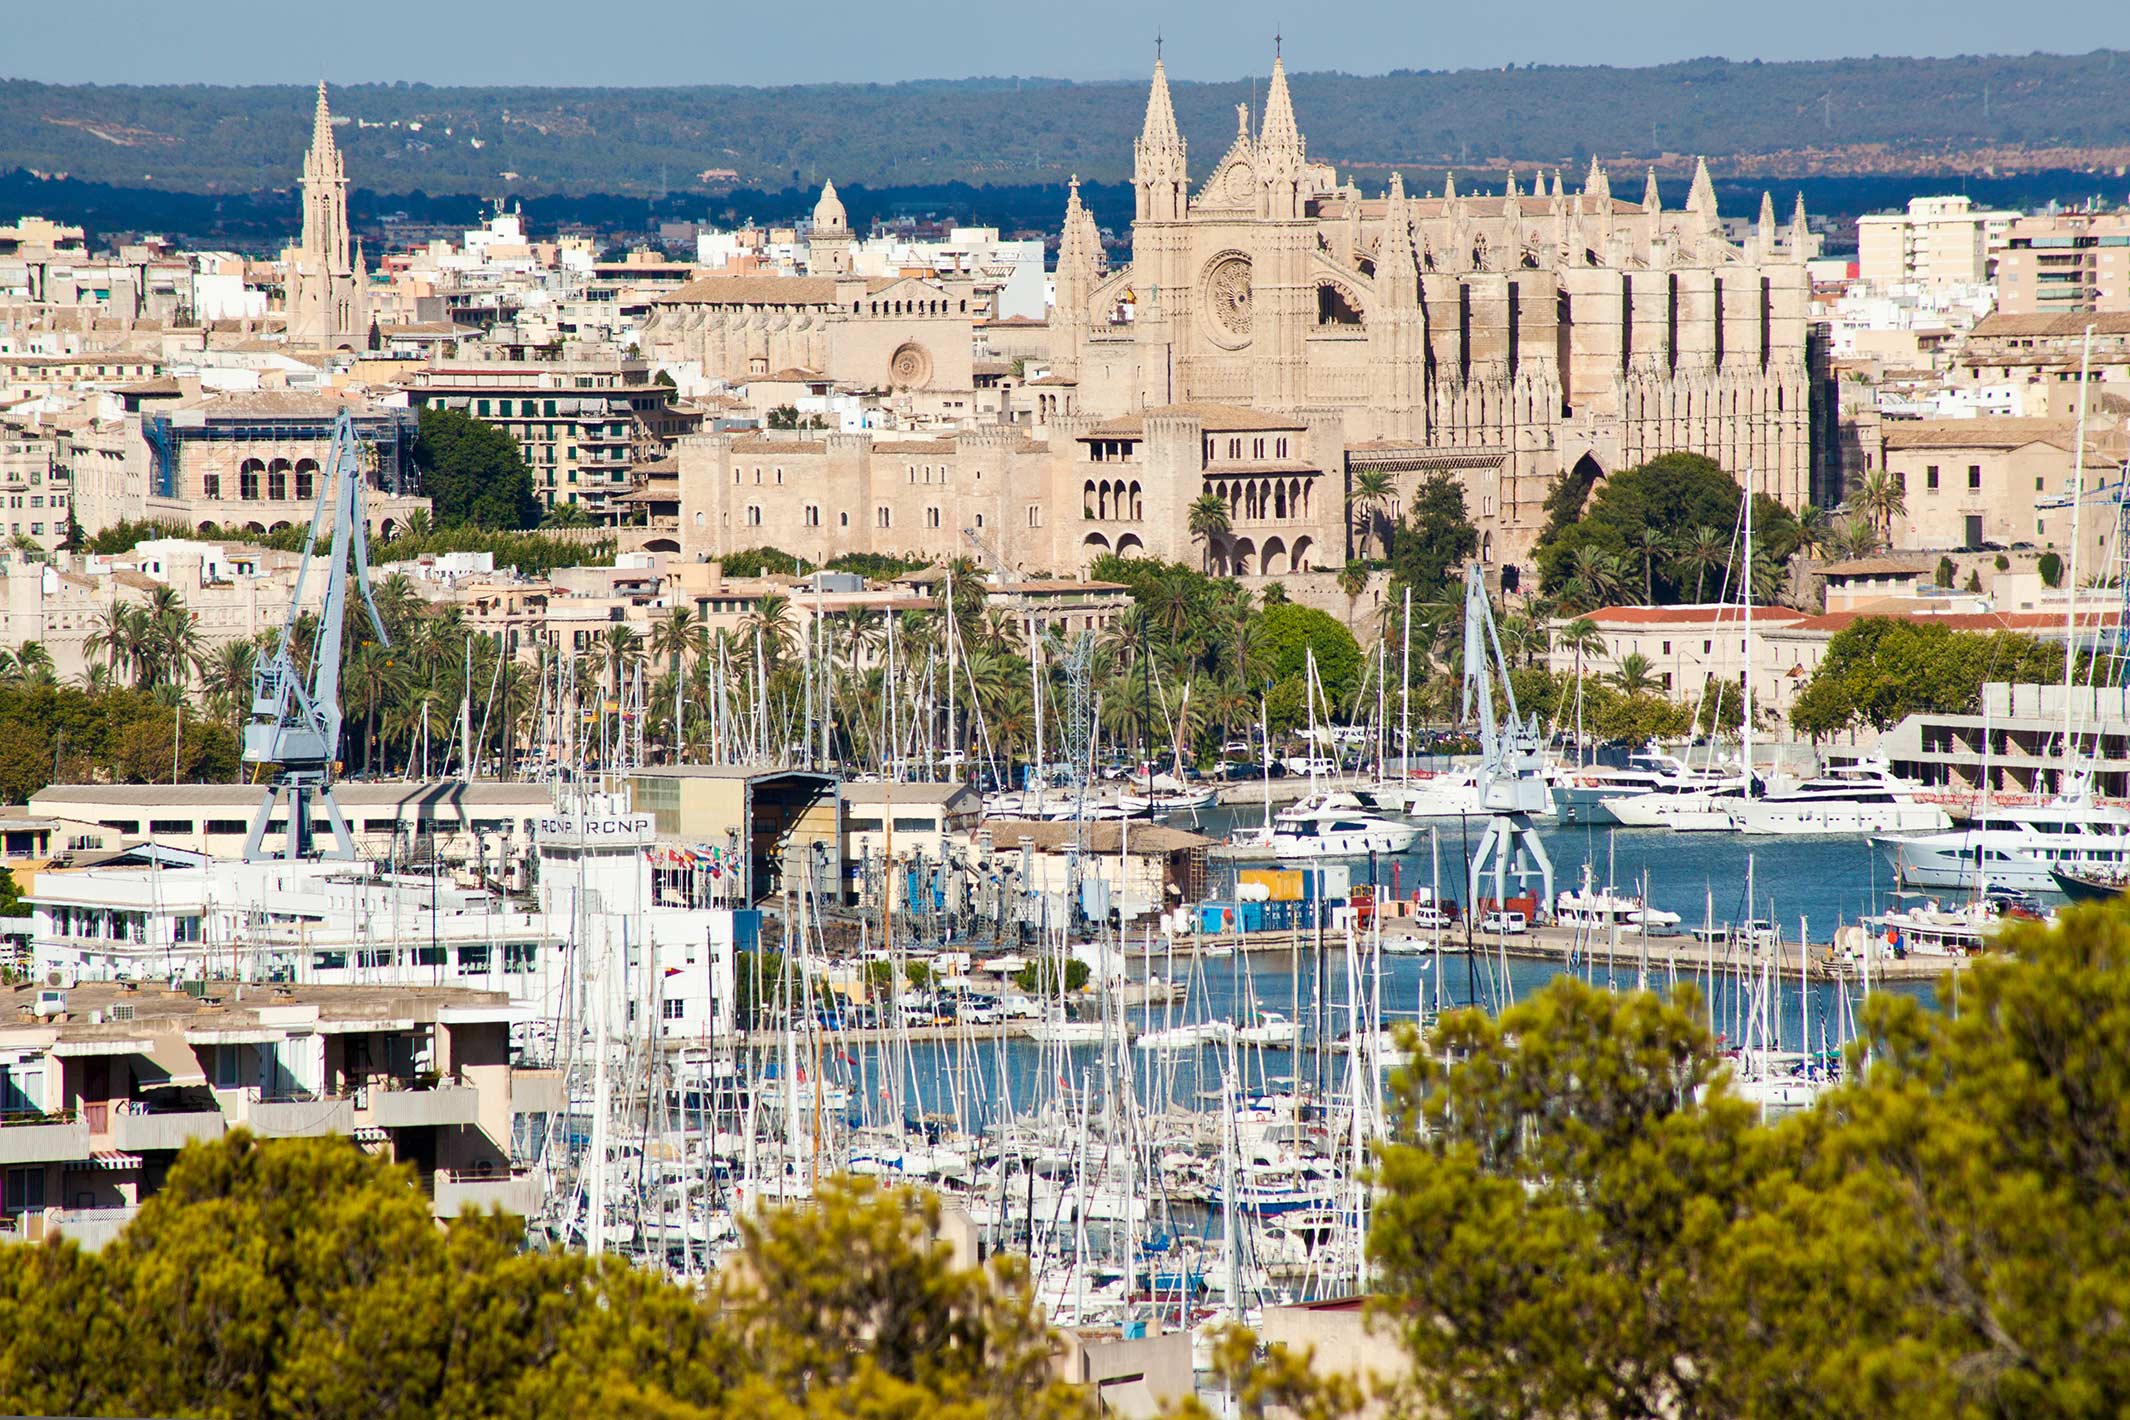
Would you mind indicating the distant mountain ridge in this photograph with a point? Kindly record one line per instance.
(1977, 114)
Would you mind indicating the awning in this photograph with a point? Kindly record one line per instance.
(112, 1159)
(79, 1047)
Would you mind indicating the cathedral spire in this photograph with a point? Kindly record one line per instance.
(1449, 185)
(1397, 264)
(1160, 170)
(1597, 185)
(1652, 203)
(1701, 199)
(321, 124)
(1800, 233)
(1281, 156)
(1764, 229)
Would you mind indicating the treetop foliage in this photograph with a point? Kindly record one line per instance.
(1879, 670)
(1649, 512)
(473, 472)
(1593, 1223)
(305, 1277)
(431, 138)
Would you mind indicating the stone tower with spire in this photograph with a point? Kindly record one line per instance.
(828, 250)
(328, 307)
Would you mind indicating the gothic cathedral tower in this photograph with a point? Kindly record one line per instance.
(327, 305)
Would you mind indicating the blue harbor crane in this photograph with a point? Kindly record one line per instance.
(295, 726)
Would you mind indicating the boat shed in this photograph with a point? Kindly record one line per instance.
(753, 817)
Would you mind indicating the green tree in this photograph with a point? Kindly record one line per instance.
(2050, 566)
(1292, 633)
(1660, 503)
(472, 471)
(1945, 572)
(1429, 548)
(1209, 523)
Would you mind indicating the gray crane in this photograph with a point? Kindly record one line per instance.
(295, 728)
(1512, 783)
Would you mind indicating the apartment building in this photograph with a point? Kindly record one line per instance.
(103, 1083)
(585, 426)
(34, 492)
(1937, 242)
(2065, 261)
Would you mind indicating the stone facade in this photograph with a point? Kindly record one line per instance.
(1515, 336)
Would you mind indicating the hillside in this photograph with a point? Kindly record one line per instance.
(1848, 116)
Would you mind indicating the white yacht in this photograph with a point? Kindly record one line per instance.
(2019, 847)
(1326, 833)
(1862, 795)
(1581, 792)
(1600, 907)
(1684, 805)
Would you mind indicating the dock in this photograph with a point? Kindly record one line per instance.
(1662, 951)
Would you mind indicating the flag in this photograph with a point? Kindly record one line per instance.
(672, 971)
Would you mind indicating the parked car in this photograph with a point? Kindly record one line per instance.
(1505, 924)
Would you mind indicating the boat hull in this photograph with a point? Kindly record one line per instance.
(1774, 818)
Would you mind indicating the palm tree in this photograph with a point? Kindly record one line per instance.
(112, 635)
(1594, 577)
(1881, 498)
(1353, 580)
(1815, 530)
(1582, 637)
(1854, 537)
(225, 677)
(1701, 548)
(1649, 543)
(621, 648)
(1208, 523)
(1372, 491)
(1634, 674)
(674, 635)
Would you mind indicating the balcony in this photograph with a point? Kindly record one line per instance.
(300, 1118)
(42, 1139)
(473, 1191)
(93, 1228)
(537, 1092)
(425, 1109)
(141, 1133)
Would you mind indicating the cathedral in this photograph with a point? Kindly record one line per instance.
(327, 306)
(1507, 338)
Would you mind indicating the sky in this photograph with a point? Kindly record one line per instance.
(567, 42)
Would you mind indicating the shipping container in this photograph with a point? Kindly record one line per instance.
(1214, 917)
(1283, 884)
(1253, 916)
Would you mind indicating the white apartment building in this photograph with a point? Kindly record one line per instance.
(1938, 241)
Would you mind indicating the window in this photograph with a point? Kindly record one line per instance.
(1930, 478)
(473, 961)
(248, 483)
(230, 825)
(931, 517)
(520, 957)
(885, 520)
(754, 515)
(673, 1010)
(843, 520)
(170, 825)
(813, 516)
(1035, 515)
(211, 485)
(2037, 485)
(1974, 475)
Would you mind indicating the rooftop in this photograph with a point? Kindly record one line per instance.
(1215, 418)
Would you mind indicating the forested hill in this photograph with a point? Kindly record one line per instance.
(1844, 116)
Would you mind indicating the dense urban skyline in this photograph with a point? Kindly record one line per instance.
(487, 42)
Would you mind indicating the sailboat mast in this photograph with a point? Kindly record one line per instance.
(2070, 599)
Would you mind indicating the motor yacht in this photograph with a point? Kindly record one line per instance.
(1862, 795)
(1580, 794)
(2022, 847)
(1326, 833)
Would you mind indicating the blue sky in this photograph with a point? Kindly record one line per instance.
(687, 41)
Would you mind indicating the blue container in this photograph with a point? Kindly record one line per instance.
(1253, 916)
(1216, 917)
